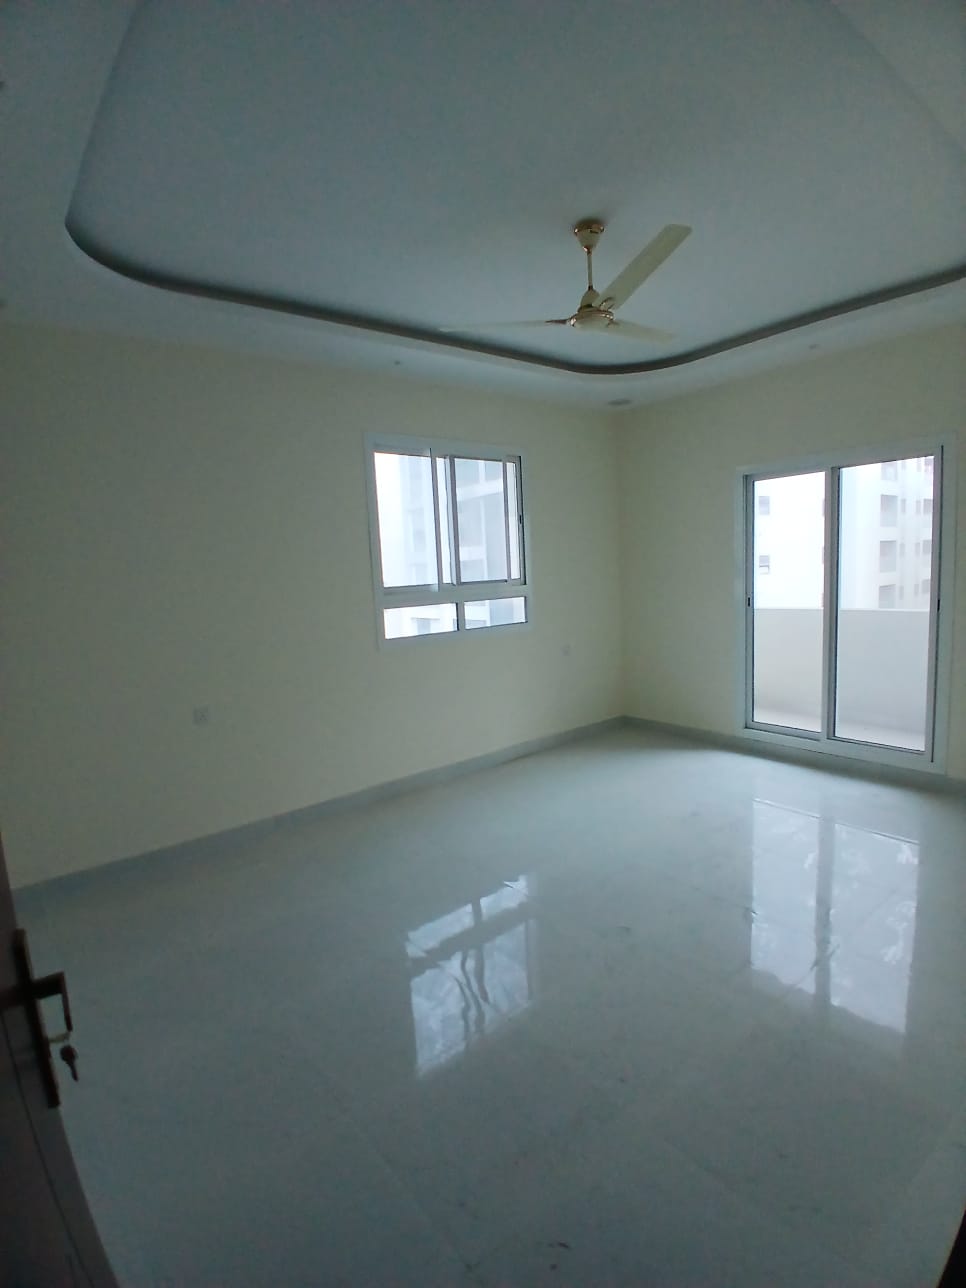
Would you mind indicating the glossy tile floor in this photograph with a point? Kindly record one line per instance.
(627, 1012)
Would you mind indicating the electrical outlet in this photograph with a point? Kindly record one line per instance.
(201, 715)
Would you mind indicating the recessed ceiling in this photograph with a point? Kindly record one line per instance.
(348, 180)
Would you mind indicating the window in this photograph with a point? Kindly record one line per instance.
(887, 556)
(888, 510)
(927, 546)
(764, 505)
(447, 533)
(764, 563)
(890, 471)
(925, 587)
(887, 595)
(927, 505)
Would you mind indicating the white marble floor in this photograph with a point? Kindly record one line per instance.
(630, 1012)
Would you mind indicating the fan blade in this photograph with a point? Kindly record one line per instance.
(633, 331)
(471, 328)
(643, 265)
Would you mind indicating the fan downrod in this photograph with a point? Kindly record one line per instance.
(588, 315)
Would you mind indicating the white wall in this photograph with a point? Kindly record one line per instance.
(679, 462)
(185, 528)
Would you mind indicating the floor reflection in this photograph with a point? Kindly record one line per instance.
(820, 877)
(470, 970)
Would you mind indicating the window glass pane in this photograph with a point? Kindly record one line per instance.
(445, 518)
(495, 612)
(482, 527)
(789, 540)
(419, 619)
(513, 507)
(885, 566)
(407, 524)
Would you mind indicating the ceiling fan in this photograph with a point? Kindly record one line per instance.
(595, 312)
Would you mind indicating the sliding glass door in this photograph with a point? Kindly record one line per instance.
(841, 602)
(788, 516)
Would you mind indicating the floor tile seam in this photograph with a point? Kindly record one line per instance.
(760, 1212)
(674, 968)
(562, 1055)
(774, 1022)
(400, 1178)
(841, 942)
(523, 1235)
(886, 888)
(532, 1137)
(716, 975)
(889, 1223)
(576, 1187)
(769, 1207)
(767, 1028)
(404, 1190)
(866, 1261)
(781, 920)
(342, 1088)
(140, 1108)
(923, 1108)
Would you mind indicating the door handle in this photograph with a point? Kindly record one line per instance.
(32, 992)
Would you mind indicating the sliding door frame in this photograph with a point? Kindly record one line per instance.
(933, 758)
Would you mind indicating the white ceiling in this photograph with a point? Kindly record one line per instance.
(419, 166)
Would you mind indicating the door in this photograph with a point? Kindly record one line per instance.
(842, 603)
(47, 1235)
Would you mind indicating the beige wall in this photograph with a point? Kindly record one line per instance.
(182, 527)
(185, 528)
(679, 465)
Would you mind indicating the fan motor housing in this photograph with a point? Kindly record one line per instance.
(588, 232)
(590, 318)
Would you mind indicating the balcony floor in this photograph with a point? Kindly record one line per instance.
(881, 735)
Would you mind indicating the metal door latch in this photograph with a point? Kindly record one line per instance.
(32, 993)
(69, 1057)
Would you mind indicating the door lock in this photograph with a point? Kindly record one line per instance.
(32, 992)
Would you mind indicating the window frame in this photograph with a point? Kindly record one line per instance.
(944, 449)
(457, 592)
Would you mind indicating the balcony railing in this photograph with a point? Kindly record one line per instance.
(881, 672)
